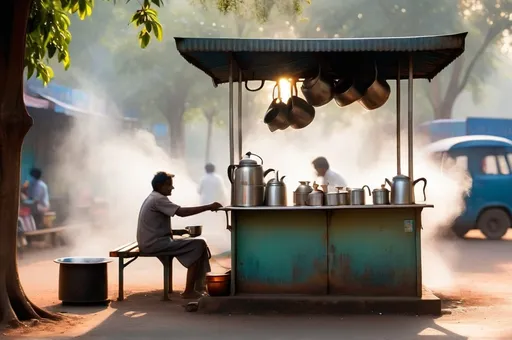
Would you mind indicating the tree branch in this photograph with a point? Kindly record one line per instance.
(490, 36)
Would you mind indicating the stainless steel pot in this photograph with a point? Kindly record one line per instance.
(402, 189)
(248, 181)
(275, 193)
(377, 94)
(332, 199)
(300, 195)
(380, 195)
(277, 113)
(316, 197)
(357, 196)
(301, 114)
(343, 196)
(318, 91)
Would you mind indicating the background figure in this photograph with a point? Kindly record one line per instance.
(211, 188)
(37, 191)
(330, 177)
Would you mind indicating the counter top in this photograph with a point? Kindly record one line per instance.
(339, 207)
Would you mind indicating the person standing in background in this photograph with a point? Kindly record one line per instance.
(330, 177)
(211, 188)
(37, 191)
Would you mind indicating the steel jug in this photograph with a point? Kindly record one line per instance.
(275, 193)
(402, 189)
(300, 195)
(315, 197)
(248, 182)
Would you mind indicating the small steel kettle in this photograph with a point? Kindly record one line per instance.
(275, 193)
(402, 189)
(300, 195)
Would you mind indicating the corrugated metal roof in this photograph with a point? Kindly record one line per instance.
(269, 59)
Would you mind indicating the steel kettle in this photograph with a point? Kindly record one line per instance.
(275, 193)
(402, 189)
(248, 181)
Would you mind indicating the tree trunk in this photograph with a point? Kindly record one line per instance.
(209, 129)
(177, 133)
(14, 124)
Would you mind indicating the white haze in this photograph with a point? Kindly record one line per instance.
(359, 145)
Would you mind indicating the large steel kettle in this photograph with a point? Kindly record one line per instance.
(248, 181)
(402, 189)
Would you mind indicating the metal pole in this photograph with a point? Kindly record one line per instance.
(398, 128)
(410, 121)
(231, 115)
(240, 75)
(231, 132)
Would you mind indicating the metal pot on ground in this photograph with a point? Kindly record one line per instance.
(83, 280)
(218, 284)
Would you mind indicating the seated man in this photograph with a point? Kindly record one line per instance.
(154, 233)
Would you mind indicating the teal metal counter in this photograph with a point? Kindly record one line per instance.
(344, 250)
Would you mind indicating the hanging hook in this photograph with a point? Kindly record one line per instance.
(254, 90)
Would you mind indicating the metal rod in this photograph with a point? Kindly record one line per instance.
(231, 115)
(240, 75)
(231, 133)
(410, 121)
(398, 119)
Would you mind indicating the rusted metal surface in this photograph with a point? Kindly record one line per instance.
(373, 254)
(281, 252)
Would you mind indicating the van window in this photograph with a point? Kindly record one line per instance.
(490, 165)
(459, 162)
(503, 165)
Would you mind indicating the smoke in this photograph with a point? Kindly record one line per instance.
(361, 146)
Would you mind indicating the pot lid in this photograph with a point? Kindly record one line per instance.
(246, 161)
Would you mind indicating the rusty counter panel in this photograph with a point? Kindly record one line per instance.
(373, 254)
(281, 252)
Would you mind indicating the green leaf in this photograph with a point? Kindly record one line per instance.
(157, 30)
(144, 38)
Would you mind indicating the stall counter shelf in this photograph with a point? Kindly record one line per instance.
(328, 250)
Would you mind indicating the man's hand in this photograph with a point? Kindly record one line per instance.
(215, 206)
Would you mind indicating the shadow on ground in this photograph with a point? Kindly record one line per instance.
(146, 316)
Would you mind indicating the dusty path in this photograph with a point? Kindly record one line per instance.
(479, 303)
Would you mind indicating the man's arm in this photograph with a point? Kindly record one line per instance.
(189, 211)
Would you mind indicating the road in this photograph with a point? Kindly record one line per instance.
(473, 275)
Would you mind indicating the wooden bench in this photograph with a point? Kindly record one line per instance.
(54, 231)
(131, 251)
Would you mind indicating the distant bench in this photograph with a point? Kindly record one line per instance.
(53, 231)
(131, 251)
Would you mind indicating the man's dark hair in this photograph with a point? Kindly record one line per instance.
(36, 173)
(209, 168)
(321, 163)
(160, 178)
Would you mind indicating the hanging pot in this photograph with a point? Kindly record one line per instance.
(377, 94)
(347, 91)
(276, 116)
(301, 114)
(318, 91)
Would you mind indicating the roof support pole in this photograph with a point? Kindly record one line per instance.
(398, 120)
(240, 78)
(231, 118)
(410, 123)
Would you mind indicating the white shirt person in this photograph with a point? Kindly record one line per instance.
(330, 177)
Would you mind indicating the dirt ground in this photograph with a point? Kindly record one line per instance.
(477, 301)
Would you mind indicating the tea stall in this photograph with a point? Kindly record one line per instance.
(339, 246)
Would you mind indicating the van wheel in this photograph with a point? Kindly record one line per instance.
(494, 223)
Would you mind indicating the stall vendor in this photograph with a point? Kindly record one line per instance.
(154, 233)
(330, 177)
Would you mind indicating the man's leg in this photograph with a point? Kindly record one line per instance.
(196, 273)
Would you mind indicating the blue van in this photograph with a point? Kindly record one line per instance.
(488, 160)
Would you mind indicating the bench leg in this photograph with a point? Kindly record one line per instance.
(167, 265)
(170, 275)
(120, 295)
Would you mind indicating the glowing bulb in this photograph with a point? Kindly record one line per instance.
(285, 87)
